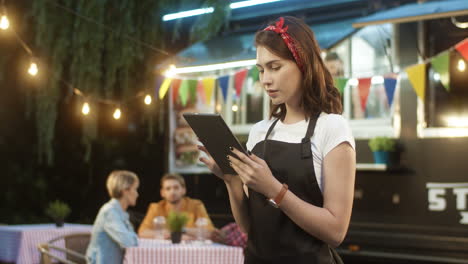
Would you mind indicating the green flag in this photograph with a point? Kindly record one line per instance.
(340, 83)
(440, 64)
(183, 92)
(253, 73)
(192, 84)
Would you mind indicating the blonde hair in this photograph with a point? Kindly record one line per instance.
(120, 180)
(173, 176)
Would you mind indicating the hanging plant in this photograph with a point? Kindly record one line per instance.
(107, 49)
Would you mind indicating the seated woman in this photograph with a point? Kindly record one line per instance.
(112, 231)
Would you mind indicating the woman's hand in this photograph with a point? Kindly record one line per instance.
(255, 173)
(211, 164)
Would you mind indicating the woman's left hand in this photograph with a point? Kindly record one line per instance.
(255, 173)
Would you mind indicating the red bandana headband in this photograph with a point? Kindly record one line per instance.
(283, 31)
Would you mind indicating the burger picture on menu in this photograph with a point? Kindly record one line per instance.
(186, 150)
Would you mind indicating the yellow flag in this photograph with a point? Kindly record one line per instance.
(208, 85)
(417, 77)
(164, 87)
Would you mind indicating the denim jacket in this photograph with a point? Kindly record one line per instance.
(112, 233)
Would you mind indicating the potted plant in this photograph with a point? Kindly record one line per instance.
(176, 222)
(58, 211)
(381, 147)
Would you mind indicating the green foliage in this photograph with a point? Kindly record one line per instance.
(58, 210)
(176, 221)
(108, 51)
(382, 144)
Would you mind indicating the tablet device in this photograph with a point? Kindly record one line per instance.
(216, 136)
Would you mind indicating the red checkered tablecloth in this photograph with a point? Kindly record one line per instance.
(18, 243)
(155, 252)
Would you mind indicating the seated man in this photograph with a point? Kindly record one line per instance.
(173, 193)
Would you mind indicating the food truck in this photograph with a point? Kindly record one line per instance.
(401, 70)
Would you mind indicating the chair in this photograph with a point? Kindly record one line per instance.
(75, 249)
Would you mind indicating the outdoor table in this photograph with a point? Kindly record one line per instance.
(156, 251)
(18, 243)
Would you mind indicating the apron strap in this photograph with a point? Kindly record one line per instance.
(306, 151)
(266, 137)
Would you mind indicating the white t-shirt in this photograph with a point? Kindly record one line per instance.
(330, 131)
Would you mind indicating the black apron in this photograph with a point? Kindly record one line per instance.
(273, 237)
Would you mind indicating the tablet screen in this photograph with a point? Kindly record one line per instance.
(216, 136)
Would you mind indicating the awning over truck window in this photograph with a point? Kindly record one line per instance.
(416, 12)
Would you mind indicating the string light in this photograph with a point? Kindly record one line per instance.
(33, 70)
(148, 99)
(235, 108)
(85, 110)
(461, 65)
(354, 82)
(171, 71)
(117, 114)
(377, 80)
(4, 22)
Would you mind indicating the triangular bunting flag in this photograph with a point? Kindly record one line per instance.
(192, 84)
(253, 73)
(364, 87)
(175, 89)
(224, 84)
(208, 86)
(201, 92)
(417, 77)
(340, 83)
(239, 78)
(462, 48)
(183, 92)
(158, 81)
(440, 64)
(390, 84)
(164, 87)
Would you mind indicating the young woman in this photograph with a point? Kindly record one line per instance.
(293, 195)
(112, 230)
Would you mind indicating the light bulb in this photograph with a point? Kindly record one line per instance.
(148, 99)
(235, 108)
(461, 65)
(33, 69)
(4, 23)
(377, 80)
(117, 113)
(436, 76)
(85, 109)
(171, 71)
(354, 82)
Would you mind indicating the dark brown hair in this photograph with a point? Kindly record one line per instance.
(319, 93)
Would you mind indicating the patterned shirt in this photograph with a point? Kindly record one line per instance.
(234, 236)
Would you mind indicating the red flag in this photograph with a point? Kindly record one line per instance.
(201, 91)
(364, 87)
(175, 89)
(462, 47)
(239, 78)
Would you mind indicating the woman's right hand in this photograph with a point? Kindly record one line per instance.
(211, 164)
